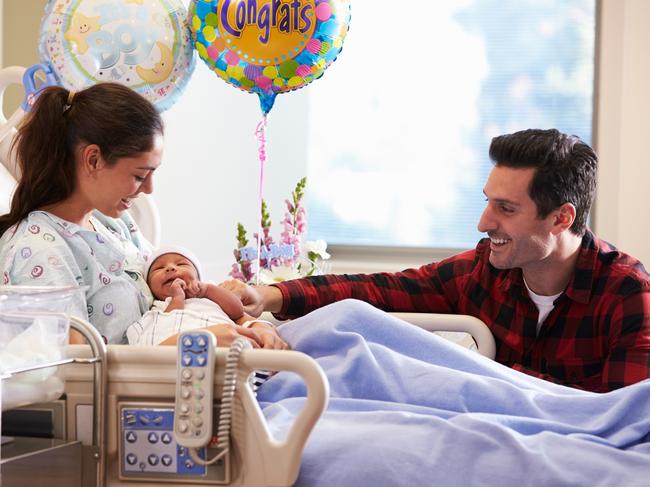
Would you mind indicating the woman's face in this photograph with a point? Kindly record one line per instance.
(117, 185)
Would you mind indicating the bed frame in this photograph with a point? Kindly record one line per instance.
(117, 393)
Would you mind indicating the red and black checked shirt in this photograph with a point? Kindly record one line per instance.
(597, 337)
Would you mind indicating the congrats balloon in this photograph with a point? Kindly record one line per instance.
(269, 46)
(143, 44)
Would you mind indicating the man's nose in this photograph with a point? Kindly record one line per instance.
(486, 222)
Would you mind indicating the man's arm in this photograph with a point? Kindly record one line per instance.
(420, 290)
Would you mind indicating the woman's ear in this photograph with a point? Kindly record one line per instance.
(90, 159)
(564, 217)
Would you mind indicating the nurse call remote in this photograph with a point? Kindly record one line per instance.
(194, 388)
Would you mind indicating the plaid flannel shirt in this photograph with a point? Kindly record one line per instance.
(597, 337)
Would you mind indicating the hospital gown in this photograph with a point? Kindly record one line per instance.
(107, 264)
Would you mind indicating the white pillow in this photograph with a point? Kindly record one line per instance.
(7, 185)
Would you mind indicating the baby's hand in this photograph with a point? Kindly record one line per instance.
(197, 289)
(177, 289)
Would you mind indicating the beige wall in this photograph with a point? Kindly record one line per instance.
(623, 127)
(20, 22)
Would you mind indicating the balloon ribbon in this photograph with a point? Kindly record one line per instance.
(260, 134)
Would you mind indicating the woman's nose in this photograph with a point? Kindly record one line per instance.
(147, 185)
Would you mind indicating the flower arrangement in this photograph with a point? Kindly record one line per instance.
(290, 257)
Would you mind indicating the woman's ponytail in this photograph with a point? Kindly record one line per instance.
(44, 159)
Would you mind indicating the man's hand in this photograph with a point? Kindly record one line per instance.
(255, 299)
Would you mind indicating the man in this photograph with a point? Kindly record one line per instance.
(562, 304)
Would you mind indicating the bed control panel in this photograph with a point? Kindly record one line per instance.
(149, 451)
(194, 385)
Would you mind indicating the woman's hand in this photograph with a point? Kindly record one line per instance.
(268, 336)
(226, 334)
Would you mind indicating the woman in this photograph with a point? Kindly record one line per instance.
(84, 157)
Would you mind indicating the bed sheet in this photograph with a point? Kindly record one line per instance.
(410, 408)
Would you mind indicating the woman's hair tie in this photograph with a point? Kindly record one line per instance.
(68, 103)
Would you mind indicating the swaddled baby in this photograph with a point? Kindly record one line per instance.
(185, 302)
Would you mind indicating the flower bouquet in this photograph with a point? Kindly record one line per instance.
(290, 257)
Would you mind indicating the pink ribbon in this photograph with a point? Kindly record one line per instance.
(260, 134)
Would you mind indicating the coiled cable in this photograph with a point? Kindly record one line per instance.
(227, 402)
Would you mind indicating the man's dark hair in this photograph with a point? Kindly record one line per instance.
(565, 169)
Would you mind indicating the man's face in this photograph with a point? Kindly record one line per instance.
(519, 238)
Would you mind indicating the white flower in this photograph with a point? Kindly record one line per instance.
(318, 247)
(278, 274)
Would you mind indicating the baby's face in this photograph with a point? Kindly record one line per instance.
(165, 269)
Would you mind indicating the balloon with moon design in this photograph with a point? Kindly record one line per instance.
(143, 44)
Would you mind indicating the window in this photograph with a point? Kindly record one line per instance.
(400, 125)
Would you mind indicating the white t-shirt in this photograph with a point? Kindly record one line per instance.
(544, 305)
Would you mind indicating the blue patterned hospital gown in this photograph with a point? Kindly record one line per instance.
(48, 251)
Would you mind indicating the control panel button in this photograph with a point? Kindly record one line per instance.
(166, 460)
(201, 342)
(186, 392)
(131, 459)
(131, 437)
(201, 360)
(186, 374)
(197, 421)
(166, 438)
(183, 426)
(187, 341)
(187, 359)
(152, 437)
(200, 374)
(153, 459)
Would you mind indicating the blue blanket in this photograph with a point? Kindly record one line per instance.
(409, 408)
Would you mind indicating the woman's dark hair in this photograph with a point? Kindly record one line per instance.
(565, 169)
(120, 121)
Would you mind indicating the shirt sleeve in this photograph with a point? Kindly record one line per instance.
(141, 332)
(432, 288)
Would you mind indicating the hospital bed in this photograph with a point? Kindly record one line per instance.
(113, 424)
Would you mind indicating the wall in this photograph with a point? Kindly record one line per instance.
(209, 177)
(621, 213)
